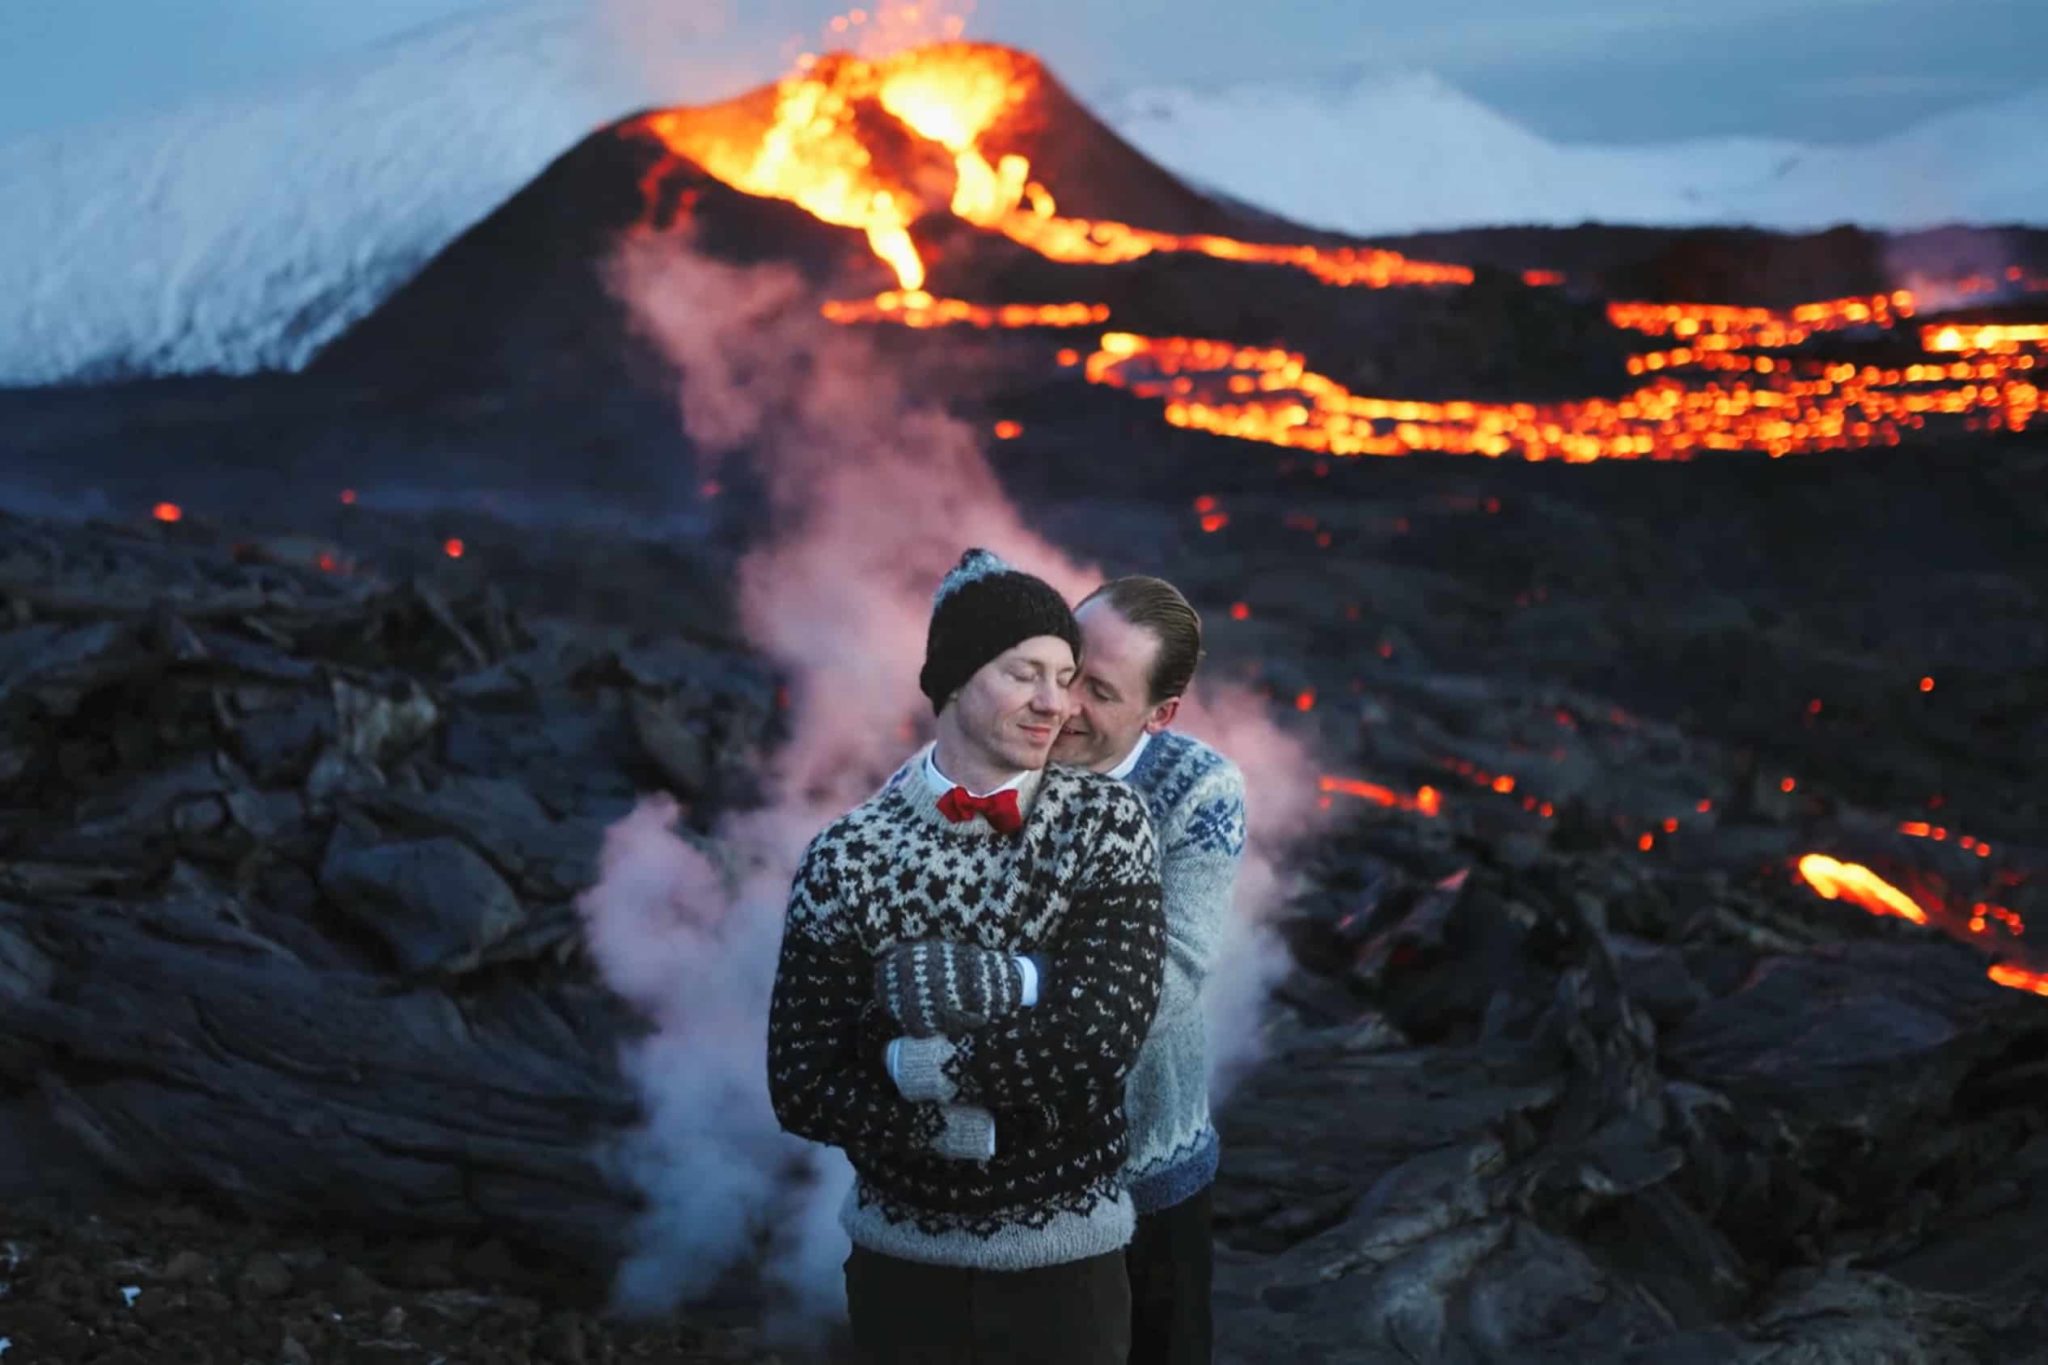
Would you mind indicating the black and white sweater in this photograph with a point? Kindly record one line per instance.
(1084, 872)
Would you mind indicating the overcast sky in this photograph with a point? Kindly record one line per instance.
(1581, 70)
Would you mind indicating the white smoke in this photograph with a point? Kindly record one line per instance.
(873, 494)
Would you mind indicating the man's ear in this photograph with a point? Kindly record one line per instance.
(1162, 715)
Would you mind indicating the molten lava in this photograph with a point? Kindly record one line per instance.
(1426, 800)
(831, 138)
(1857, 884)
(2019, 978)
(1791, 406)
(915, 308)
(805, 145)
(1994, 338)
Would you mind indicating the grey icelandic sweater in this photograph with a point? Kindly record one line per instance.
(1196, 800)
(1082, 874)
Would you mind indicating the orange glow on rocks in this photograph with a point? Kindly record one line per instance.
(167, 512)
(452, 547)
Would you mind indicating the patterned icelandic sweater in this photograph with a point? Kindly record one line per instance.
(1196, 800)
(1195, 797)
(1083, 873)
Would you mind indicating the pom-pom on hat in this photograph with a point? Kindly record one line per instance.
(983, 607)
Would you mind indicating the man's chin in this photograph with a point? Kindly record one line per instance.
(1025, 754)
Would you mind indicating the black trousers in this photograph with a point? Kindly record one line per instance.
(1171, 1262)
(906, 1313)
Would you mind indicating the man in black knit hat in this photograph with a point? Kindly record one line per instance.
(989, 1216)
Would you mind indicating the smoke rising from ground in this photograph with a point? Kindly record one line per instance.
(873, 494)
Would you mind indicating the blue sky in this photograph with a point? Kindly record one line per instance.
(1582, 70)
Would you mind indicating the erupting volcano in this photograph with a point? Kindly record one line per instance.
(983, 135)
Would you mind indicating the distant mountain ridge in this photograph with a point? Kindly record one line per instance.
(1408, 152)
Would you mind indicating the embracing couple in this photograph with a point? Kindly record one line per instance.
(989, 989)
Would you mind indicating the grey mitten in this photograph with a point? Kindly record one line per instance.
(969, 1134)
(934, 987)
(918, 1066)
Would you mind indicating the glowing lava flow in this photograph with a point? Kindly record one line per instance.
(1857, 884)
(1791, 405)
(1426, 800)
(2019, 978)
(915, 308)
(953, 94)
(805, 148)
(818, 140)
(1999, 339)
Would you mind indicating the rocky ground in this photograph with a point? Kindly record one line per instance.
(289, 853)
(144, 1281)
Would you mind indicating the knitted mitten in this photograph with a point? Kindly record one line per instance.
(969, 1134)
(935, 987)
(918, 1066)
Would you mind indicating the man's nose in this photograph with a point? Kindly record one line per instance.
(1050, 698)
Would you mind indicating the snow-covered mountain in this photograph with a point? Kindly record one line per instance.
(1408, 152)
(240, 234)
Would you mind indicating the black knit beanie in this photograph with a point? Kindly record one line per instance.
(982, 608)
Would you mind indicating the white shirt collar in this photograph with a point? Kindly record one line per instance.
(1123, 770)
(940, 784)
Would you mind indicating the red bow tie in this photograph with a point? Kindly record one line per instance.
(998, 808)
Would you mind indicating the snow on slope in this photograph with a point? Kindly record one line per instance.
(241, 234)
(1408, 152)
